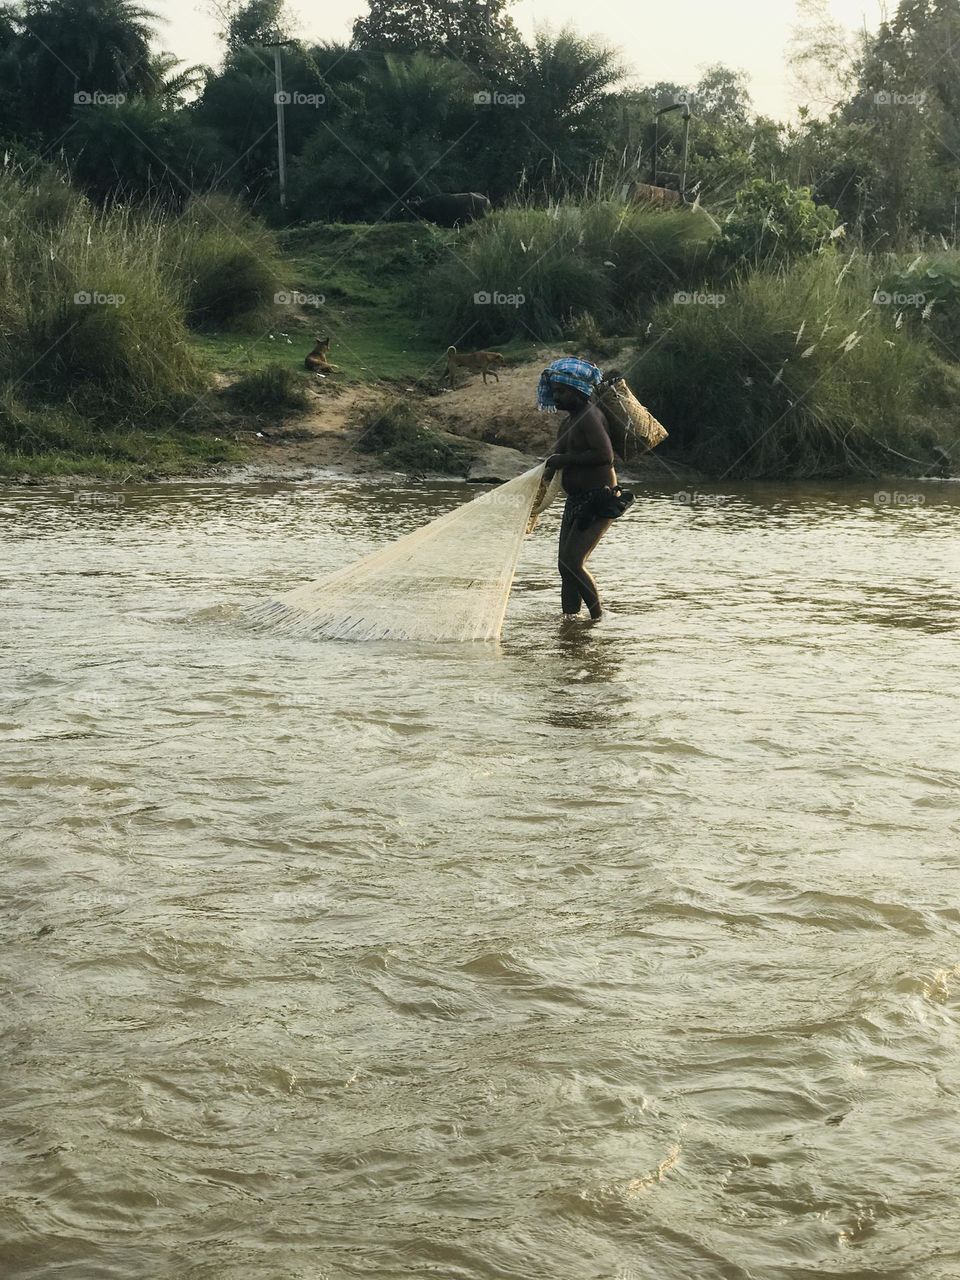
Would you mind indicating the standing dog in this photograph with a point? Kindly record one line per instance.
(482, 360)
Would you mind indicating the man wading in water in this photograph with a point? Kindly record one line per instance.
(584, 453)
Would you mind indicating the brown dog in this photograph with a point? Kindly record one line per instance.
(317, 359)
(482, 360)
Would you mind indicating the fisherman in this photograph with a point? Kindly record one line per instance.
(584, 454)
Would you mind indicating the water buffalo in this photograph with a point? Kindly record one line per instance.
(450, 210)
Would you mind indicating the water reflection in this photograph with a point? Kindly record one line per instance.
(582, 673)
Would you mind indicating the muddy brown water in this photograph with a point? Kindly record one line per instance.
(616, 953)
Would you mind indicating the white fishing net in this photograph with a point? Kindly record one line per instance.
(449, 580)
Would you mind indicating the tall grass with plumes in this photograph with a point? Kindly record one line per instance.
(95, 305)
(91, 313)
(791, 373)
(226, 262)
(525, 271)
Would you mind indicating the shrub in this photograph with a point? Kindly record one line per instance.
(584, 334)
(275, 387)
(603, 256)
(391, 429)
(794, 373)
(925, 294)
(226, 263)
(774, 221)
(87, 310)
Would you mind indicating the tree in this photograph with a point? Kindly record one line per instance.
(71, 47)
(250, 22)
(397, 132)
(822, 57)
(142, 148)
(172, 87)
(722, 95)
(566, 81)
(476, 32)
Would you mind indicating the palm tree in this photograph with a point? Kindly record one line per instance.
(173, 87)
(83, 47)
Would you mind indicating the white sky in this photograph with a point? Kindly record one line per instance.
(661, 39)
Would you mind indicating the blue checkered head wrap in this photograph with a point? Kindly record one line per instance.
(579, 374)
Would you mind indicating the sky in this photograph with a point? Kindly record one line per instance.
(660, 39)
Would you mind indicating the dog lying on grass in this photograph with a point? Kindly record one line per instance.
(317, 359)
(483, 361)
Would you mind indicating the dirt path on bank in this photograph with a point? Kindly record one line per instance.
(501, 414)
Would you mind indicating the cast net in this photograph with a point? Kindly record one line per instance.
(449, 580)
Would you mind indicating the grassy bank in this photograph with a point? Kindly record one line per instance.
(136, 343)
(798, 372)
(98, 372)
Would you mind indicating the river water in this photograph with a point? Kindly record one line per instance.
(628, 952)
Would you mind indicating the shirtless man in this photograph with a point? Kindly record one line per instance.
(585, 456)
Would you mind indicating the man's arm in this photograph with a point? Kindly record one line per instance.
(598, 451)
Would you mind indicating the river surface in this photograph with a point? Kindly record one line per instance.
(627, 952)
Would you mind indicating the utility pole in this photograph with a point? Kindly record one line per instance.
(278, 97)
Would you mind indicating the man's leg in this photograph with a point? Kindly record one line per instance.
(575, 550)
(571, 601)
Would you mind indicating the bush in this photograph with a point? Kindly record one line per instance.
(87, 310)
(794, 373)
(603, 256)
(392, 430)
(925, 294)
(226, 263)
(776, 222)
(585, 337)
(276, 388)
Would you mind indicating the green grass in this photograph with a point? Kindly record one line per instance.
(97, 366)
(225, 264)
(273, 388)
(796, 373)
(38, 440)
(368, 277)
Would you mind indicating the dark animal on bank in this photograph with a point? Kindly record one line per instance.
(476, 360)
(317, 359)
(450, 210)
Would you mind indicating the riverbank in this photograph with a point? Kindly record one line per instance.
(785, 376)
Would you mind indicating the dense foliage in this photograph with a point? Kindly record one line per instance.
(435, 95)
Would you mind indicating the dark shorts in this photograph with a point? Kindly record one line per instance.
(586, 507)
